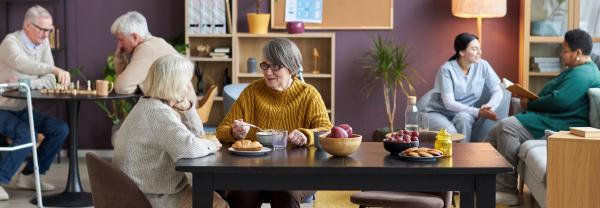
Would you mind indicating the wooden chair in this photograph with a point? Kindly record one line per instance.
(205, 104)
(111, 187)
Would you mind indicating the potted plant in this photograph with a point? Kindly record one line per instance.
(258, 23)
(388, 64)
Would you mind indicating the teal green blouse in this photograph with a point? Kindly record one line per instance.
(563, 101)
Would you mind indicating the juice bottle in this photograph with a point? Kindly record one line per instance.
(443, 143)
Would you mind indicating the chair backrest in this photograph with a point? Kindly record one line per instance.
(111, 188)
(231, 93)
(594, 96)
(205, 104)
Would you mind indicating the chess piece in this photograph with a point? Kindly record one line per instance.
(316, 61)
(89, 85)
(77, 85)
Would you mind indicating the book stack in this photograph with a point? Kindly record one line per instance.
(221, 52)
(586, 132)
(545, 64)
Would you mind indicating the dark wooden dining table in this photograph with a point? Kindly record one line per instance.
(471, 170)
(73, 195)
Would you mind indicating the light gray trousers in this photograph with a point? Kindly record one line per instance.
(461, 123)
(507, 136)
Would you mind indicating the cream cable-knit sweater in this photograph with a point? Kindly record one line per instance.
(17, 60)
(152, 138)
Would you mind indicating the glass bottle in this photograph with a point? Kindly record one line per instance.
(411, 115)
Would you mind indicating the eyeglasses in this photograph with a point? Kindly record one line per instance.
(43, 30)
(274, 67)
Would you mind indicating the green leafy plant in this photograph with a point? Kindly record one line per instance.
(388, 64)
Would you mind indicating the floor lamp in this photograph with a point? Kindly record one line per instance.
(479, 9)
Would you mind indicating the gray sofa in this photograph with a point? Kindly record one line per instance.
(481, 126)
(533, 155)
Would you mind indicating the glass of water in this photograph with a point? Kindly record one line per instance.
(280, 139)
(423, 121)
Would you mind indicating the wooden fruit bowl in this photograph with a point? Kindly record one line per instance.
(340, 147)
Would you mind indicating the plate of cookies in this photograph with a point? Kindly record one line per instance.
(248, 148)
(420, 154)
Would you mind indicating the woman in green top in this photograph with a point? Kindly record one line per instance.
(562, 103)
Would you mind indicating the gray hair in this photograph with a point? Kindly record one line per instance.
(129, 23)
(168, 77)
(285, 52)
(34, 13)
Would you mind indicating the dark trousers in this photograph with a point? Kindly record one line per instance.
(15, 125)
(278, 199)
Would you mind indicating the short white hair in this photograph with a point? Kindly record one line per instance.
(129, 23)
(34, 13)
(168, 77)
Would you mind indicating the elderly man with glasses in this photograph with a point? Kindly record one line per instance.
(25, 54)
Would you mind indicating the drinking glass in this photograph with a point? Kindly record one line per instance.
(423, 121)
(280, 139)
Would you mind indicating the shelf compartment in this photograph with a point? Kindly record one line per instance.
(209, 59)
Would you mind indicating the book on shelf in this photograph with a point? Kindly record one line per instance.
(585, 132)
(544, 60)
(519, 90)
(222, 50)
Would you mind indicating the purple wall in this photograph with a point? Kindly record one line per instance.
(426, 26)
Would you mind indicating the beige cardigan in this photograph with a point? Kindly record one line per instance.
(17, 60)
(134, 71)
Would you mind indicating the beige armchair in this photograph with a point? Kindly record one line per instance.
(205, 104)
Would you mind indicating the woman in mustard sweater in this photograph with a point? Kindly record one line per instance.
(279, 101)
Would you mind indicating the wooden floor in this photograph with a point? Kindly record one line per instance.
(58, 174)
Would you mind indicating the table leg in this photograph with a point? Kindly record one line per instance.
(485, 188)
(467, 199)
(74, 195)
(202, 195)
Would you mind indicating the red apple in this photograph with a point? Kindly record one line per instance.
(346, 127)
(338, 132)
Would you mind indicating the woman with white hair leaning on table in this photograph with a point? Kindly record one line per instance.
(162, 128)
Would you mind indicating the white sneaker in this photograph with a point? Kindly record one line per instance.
(28, 182)
(3, 194)
(507, 198)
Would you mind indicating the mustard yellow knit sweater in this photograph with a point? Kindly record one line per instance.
(298, 107)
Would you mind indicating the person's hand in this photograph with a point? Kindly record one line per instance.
(524, 102)
(487, 112)
(184, 105)
(216, 141)
(297, 138)
(239, 129)
(119, 50)
(64, 78)
(13, 79)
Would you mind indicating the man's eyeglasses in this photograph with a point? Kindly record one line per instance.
(274, 67)
(43, 30)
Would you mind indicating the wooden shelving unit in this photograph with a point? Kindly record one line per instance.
(533, 45)
(245, 45)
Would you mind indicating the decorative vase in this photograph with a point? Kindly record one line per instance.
(258, 23)
(251, 64)
(294, 27)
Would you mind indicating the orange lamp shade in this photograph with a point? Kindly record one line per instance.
(478, 8)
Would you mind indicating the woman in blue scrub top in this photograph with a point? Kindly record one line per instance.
(459, 84)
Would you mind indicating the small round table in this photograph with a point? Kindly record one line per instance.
(74, 195)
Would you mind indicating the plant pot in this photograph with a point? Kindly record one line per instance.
(258, 23)
(379, 134)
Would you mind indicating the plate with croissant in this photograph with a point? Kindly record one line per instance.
(248, 148)
(420, 154)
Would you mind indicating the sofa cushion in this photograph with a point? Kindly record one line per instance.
(534, 154)
(594, 96)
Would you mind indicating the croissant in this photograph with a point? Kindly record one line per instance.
(247, 145)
